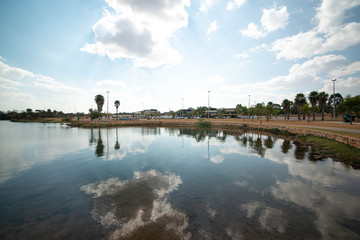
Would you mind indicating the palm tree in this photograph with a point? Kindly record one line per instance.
(322, 99)
(99, 100)
(338, 100)
(299, 101)
(313, 98)
(117, 104)
(286, 104)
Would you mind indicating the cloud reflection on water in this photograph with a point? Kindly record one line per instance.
(139, 206)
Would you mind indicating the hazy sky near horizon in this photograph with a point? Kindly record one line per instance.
(167, 54)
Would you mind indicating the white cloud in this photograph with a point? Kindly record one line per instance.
(302, 45)
(140, 31)
(22, 88)
(331, 13)
(212, 28)
(310, 73)
(235, 4)
(346, 70)
(271, 20)
(348, 86)
(343, 37)
(253, 31)
(274, 18)
(329, 35)
(205, 5)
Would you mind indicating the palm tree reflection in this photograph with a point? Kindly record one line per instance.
(117, 144)
(286, 146)
(99, 151)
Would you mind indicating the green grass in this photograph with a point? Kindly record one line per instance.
(335, 150)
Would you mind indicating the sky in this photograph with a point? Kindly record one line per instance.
(166, 55)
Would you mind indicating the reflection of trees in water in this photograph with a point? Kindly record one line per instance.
(117, 144)
(300, 150)
(269, 142)
(258, 146)
(92, 139)
(99, 151)
(221, 136)
(286, 146)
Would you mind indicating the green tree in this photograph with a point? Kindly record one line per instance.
(117, 104)
(99, 100)
(93, 114)
(306, 109)
(313, 98)
(351, 105)
(322, 99)
(221, 112)
(201, 111)
(269, 110)
(299, 101)
(338, 100)
(260, 110)
(286, 105)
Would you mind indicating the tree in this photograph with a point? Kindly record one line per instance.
(350, 105)
(260, 110)
(306, 109)
(201, 111)
(99, 100)
(313, 98)
(221, 112)
(338, 100)
(299, 101)
(286, 104)
(269, 110)
(117, 104)
(322, 99)
(93, 114)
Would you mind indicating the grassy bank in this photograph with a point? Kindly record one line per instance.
(335, 150)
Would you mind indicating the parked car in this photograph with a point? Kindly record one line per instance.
(346, 117)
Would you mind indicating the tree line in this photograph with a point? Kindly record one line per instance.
(315, 102)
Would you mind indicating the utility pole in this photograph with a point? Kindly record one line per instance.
(108, 104)
(334, 80)
(208, 103)
(182, 108)
(249, 101)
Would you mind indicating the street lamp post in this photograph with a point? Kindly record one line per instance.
(208, 103)
(334, 80)
(249, 101)
(182, 108)
(108, 104)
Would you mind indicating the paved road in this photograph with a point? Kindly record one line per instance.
(330, 128)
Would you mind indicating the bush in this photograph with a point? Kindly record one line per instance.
(203, 124)
(66, 119)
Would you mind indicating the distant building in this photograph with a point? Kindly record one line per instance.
(150, 112)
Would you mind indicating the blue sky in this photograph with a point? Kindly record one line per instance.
(168, 54)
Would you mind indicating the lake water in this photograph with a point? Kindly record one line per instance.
(158, 183)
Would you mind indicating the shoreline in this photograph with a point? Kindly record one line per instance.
(327, 144)
(337, 131)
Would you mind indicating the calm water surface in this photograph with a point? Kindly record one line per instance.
(157, 183)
